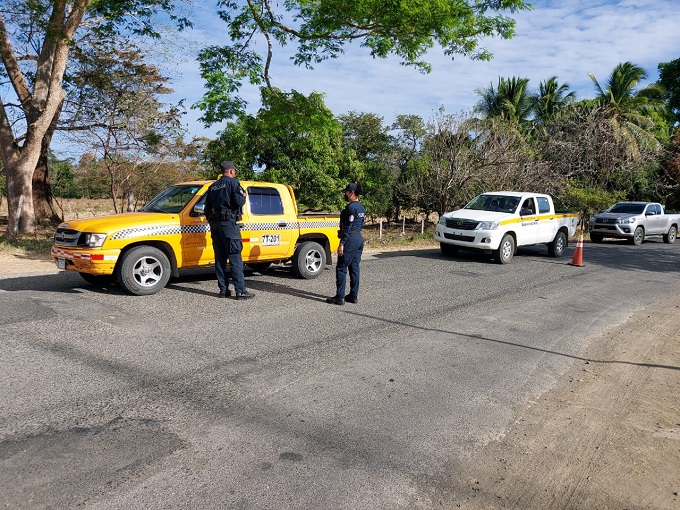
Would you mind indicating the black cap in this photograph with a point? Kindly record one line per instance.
(227, 165)
(350, 187)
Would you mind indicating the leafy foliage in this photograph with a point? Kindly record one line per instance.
(322, 29)
(669, 79)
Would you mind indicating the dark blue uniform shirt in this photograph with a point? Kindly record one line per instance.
(351, 221)
(224, 200)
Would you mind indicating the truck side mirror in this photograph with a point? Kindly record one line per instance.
(525, 211)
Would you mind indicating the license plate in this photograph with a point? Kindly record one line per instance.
(271, 239)
(61, 263)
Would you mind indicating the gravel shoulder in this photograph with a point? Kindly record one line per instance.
(606, 437)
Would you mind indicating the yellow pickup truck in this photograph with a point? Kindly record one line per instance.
(142, 250)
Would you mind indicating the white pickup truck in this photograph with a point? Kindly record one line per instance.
(500, 221)
(635, 221)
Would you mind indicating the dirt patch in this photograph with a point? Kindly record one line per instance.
(607, 438)
(16, 263)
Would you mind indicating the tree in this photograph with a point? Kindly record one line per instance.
(294, 139)
(117, 114)
(552, 97)
(462, 156)
(371, 144)
(510, 101)
(53, 28)
(669, 79)
(638, 115)
(321, 31)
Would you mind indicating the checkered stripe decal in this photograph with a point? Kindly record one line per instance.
(195, 229)
(268, 226)
(292, 226)
(320, 224)
(161, 230)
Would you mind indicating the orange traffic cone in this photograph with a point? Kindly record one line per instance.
(577, 260)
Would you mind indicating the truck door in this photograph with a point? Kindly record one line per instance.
(267, 230)
(654, 221)
(197, 247)
(547, 224)
(527, 231)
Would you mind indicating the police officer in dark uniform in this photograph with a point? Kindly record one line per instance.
(351, 247)
(223, 202)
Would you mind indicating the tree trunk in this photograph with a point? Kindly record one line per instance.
(20, 197)
(43, 204)
(130, 201)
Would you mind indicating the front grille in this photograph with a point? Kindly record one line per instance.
(461, 224)
(457, 237)
(66, 237)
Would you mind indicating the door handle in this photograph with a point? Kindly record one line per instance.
(282, 223)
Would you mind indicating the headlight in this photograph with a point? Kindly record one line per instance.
(628, 220)
(442, 220)
(488, 225)
(94, 240)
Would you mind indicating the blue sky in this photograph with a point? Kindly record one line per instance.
(568, 39)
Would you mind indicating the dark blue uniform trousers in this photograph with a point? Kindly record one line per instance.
(226, 238)
(350, 260)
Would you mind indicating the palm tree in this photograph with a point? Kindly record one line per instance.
(510, 101)
(552, 97)
(632, 111)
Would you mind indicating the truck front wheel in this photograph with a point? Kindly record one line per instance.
(505, 251)
(144, 270)
(638, 236)
(670, 237)
(556, 248)
(309, 260)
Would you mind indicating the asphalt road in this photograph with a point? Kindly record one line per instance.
(184, 400)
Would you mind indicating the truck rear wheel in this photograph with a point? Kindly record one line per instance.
(144, 270)
(448, 250)
(556, 248)
(505, 251)
(638, 236)
(309, 260)
(669, 238)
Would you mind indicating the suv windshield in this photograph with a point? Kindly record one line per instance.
(172, 200)
(498, 203)
(627, 208)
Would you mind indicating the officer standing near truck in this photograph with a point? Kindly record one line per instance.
(351, 247)
(223, 202)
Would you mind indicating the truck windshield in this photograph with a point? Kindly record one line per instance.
(172, 200)
(497, 203)
(627, 208)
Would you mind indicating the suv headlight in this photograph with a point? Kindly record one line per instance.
(488, 225)
(95, 240)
